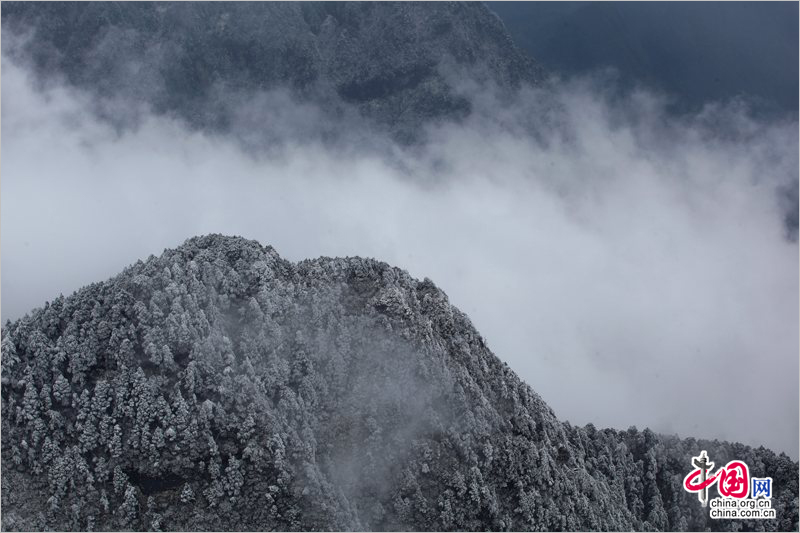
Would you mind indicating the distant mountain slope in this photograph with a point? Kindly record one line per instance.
(220, 387)
(697, 51)
(389, 59)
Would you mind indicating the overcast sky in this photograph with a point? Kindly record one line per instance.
(631, 267)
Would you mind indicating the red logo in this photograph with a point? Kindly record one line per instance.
(733, 480)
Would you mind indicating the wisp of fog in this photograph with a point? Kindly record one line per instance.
(631, 266)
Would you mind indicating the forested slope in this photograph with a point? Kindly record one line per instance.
(220, 387)
(389, 61)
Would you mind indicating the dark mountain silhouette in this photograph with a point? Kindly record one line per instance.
(389, 60)
(220, 387)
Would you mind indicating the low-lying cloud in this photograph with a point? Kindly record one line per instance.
(632, 267)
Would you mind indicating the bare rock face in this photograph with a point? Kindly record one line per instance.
(220, 387)
(388, 60)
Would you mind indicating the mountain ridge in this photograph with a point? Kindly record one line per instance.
(388, 60)
(219, 386)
